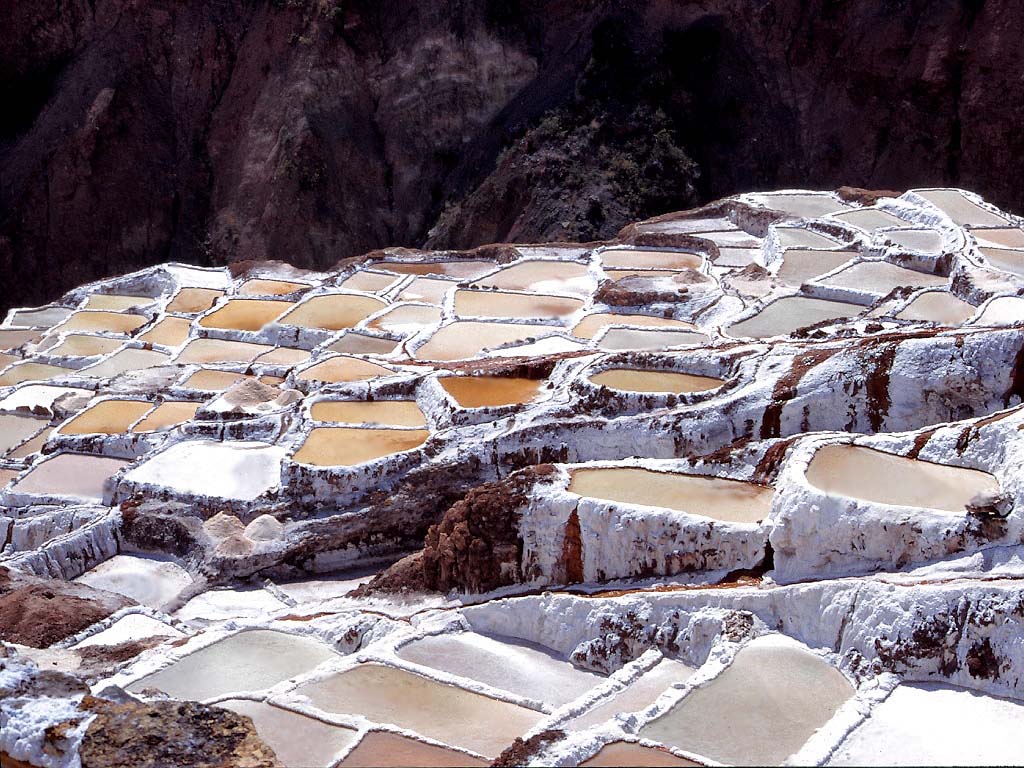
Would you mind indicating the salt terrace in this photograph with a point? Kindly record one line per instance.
(741, 486)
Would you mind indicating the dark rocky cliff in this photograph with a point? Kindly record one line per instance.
(309, 130)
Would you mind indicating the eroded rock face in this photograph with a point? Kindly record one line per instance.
(324, 130)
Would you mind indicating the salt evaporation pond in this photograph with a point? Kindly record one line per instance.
(730, 500)
(333, 311)
(70, 474)
(361, 344)
(132, 627)
(541, 277)
(348, 446)
(13, 338)
(284, 356)
(192, 300)
(438, 711)
(116, 302)
(245, 314)
(509, 665)
(81, 345)
(169, 332)
(921, 240)
(107, 417)
(932, 724)
(466, 339)
(799, 265)
(868, 219)
(623, 753)
(960, 209)
(1005, 259)
(464, 270)
(44, 317)
(14, 430)
(146, 580)
(882, 277)
(939, 307)
(502, 304)
(207, 380)
(639, 380)
(639, 695)
(797, 237)
(406, 319)
(490, 391)
(760, 710)
(261, 287)
(245, 470)
(297, 740)
(340, 369)
(842, 469)
(112, 322)
(396, 413)
(220, 351)
(618, 339)
(130, 359)
(803, 204)
(381, 749)
(252, 660)
(1005, 310)
(429, 289)
(591, 325)
(629, 258)
(789, 314)
(1003, 237)
(20, 372)
(369, 282)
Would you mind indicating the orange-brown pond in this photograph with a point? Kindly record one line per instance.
(639, 380)
(333, 311)
(246, 314)
(348, 446)
(489, 391)
(395, 413)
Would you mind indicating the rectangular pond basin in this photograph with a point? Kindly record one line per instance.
(381, 749)
(395, 413)
(70, 474)
(132, 627)
(44, 317)
(107, 417)
(26, 449)
(220, 351)
(169, 332)
(29, 371)
(509, 665)
(297, 740)
(542, 277)
(333, 311)
(868, 219)
(1005, 259)
(146, 580)
(638, 380)
(81, 345)
(249, 661)
(284, 356)
(841, 469)
(798, 237)
(208, 380)
(502, 304)
(16, 429)
(591, 325)
(112, 322)
(464, 270)
(245, 314)
(245, 470)
(1003, 237)
(618, 339)
(442, 712)
(348, 446)
(489, 391)
(800, 265)
(881, 277)
(939, 307)
(260, 287)
(928, 723)
(927, 241)
(737, 257)
(733, 501)
(360, 344)
(14, 338)
(370, 282)
(465, 339)
(1005, 310)
(638, 696)
(167, 415)
(791, 313)
(807, 205)
(961, 210)
(760, 710)
(630, 258)
(406, 319)
(342, 368)
(429, 289)
(624, 753)
(192, 300)
(116, 302)
(130, 359)
(39, 397)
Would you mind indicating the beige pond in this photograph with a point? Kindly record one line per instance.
(591, 325)
(370, 282)
(406, 319)
(428, 289)
(116, 302)
(501, 304)
(107, 417)
(284, 356)
(14, 430)
(221, 351)
(43, 317)
(70, 474)
(797, 237)
(380, 749)
(6, 475)
(734, 501)
(212, 381)
(35, 445)
(616, 339)
(920, 240)
(126, 360)
(252, 660)
(1005, 259)
(639, 695)
(627, 258)
(799, 265)
(882, 277)
(80, 345)
(490, 391)
(260, 287)
(736, 257)
(170, 332)
(13, 338)
(246, 314)
(113, 322)
(638, 380)
(348, 446)
(464, 270)
(542, 276)
(395, 413)
(342, 368)
(869, 219)
(361, 344)
(333, 312)
(618, 274)
(6, 360)
(166, 415)
(628, 755)
(961, 210)
(29, 371)
(786, 315)
(842, 469)
(803, 204)
(760, 710)
(938, 307)
(192, 300)
(465, 339)
(1000, 238)
(435, 710)
(1005, 310)
(297, 740)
